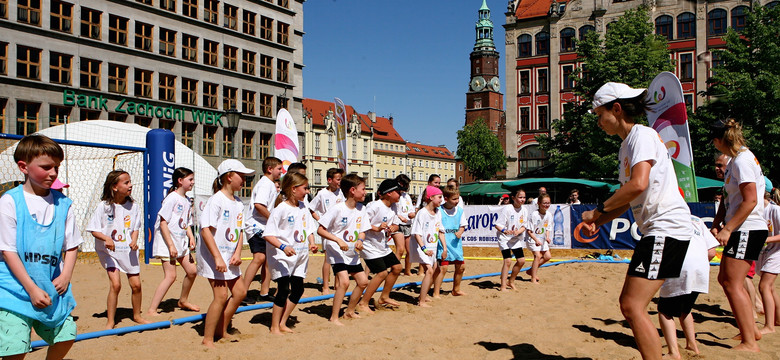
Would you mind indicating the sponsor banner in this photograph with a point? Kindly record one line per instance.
(481, 219)
(622, 233)
(341, 134)
(286, 139)
(159, 163)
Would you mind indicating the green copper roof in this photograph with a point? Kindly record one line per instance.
(484, 29)
(484, 6)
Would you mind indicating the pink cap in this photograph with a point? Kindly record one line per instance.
(431, 191)
(57, 184)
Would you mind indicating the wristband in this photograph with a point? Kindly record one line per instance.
(281, 247)
(503, 230)
(423, 248)
(600, 208)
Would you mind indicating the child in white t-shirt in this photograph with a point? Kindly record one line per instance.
(219, 249)
(427, 231)
(290, 234)
(539, 244)
(405, 212)
(173, 240)
(324, 200)
(513, 223)
(342, 229)
(115, 225)
(769, 262)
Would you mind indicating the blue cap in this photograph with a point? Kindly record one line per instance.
(768, 184)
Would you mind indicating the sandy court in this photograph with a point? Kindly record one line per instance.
(572, 314)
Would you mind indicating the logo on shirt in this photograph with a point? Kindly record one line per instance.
(350, 237)
(291, 220)
(225, 215)
(110, 218)
(357, 223)
(432, 238)
(116, 236)
(640, 268)
(344, 221)
(179, 208)
(240, 220)
(182, 224)
(327, 202)
(627, 168)
(127, 221)
(232, 234)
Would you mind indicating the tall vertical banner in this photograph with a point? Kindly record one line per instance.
(341, 133)
(286, 139)
(159, 165)
(669, 117)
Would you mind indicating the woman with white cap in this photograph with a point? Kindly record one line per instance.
(649, 188)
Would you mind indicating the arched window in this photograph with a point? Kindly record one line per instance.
(716, 22)
(586, 29)
(686, 26)
(531, 157)
(524, 45)
(663, 26)
(738, 17)
(567, 39)
(543, 43)
(772, 4)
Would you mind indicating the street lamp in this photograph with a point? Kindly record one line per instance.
(233, 117)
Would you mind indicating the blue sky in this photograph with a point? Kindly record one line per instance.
(408, 59)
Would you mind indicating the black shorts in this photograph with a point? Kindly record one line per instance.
(658, 257)
(745, 245)
(507, 253)
(378, 265)
(352, 269)
(677, 306)
(257, 243)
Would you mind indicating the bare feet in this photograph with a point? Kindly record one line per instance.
(503, 289)
(458, 293)
(743, 347)
(428, 299)
(140, 320)
(423, 304)
(286, 330)
(208, 344)
(387, 302)
(511, 286)
(766, 330)
(351, 315)
(152, 313)
(110, 325)
(406, 274)
(325, 289)
(672, 356)
(188, 306)
(365, 309)
(534, 281)
(336, 322)
(437, 296)
(694, 348)
(739, 336)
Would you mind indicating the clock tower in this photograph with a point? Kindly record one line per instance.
(484, 99)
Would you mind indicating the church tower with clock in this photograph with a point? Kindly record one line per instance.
(484, 99)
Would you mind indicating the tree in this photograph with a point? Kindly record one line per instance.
(630, 53)
(480, 150)
(746, 86)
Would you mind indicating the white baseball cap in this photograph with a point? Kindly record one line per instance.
(233, 165)
(612, 91)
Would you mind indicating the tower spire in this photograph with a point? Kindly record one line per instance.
(484, 29)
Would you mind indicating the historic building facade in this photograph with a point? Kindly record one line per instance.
(423, 161)
(389, 149)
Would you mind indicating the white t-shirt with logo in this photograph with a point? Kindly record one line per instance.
(292, 226)
(404, 207)
(744, 168)
(346, 224)
(175, 210)
(660, 210)
(541, 225)
(226, 217)
(325, 199)
(117, 221)
(264, 193)
(375, 246)
(429, 227)
(511, 218)
(695, 273)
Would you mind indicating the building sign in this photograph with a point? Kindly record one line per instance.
(131, 107)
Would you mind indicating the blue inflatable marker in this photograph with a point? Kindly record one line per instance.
(159, 165)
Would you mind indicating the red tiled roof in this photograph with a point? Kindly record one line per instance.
(318, 110)
(528, 9)
(429, 151)
(384, 131)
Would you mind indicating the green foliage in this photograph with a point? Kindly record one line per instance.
(480, 150)
(629, 53)
(747, 87)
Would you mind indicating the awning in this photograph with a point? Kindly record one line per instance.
(705, 183)
(493, 189)
(581, 182)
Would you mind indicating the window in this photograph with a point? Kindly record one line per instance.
(189, 91)
(265, 66)
(688, 99)
(282, 70)
(282, 32)
(717, 61)
(530, 158)
(29, 12)
(143, 83)
(379, 174)
(249, 19)
(354, 148)
(117, 117)
(524, 45)
(365, 151)
(227, 143)
(525, 119)
(117, 79)
(686, 26)
(246, 188)
(525, 82)
(167, 87)
(210, 95)
(330, 144)
(266, 28)
(117, 30)
(283, 3)
(189, 8)
(189, 47)
(210, 49)
(567, 83)
(27, 117)
(247, 139)
(169, 5)
(229, 96)
(543, 118)
(28, 63)
(231, 17)
(3, 15)
(61, 16)
(265, 105)
(316, 143)
(248, 102)
(317, 177)
(663, 26)
(264, 148)
(567, 39)
(166, 124)
(60, 68)
(248, 62)
(87, 114)
(543, 43)
(147, 2)
(3, 58)
(167, 42)
(281, 102)
(211, 11)
(586, 29)
(58, 115)
(90, 23)
(230, 57)
(209, 140)
(541, 80)
(686, 66)
(716, 22)
(188, 134)
(738, 17)
(143, 36)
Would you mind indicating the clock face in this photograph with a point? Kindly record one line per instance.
(477, 83)
(495, 84)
